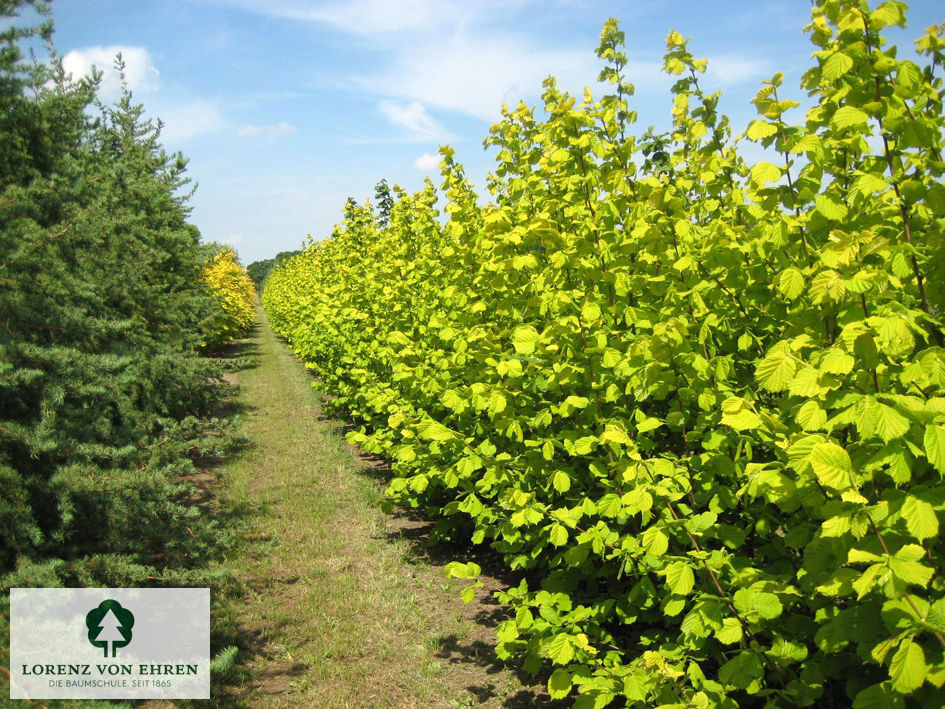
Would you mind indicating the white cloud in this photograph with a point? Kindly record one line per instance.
(182, 119)
(368, 17)
(475, 75)
(361, 17)
(414, 117)
(427, 162)
(234, 239)
(730, 69)
(444, 54)
(281, 128)
(188, 120)
(140, 72)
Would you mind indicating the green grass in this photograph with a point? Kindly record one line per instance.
(331, 609)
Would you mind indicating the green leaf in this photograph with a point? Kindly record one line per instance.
(737, 413)
(497, 403)
(558, 534)
(693, 625)
(613, 434)
(584, 445)
(561, 649)
(561, 481)
(683, 263)
(869, 183)
(912, 572)
(827, 285)
(848, 117)
(807, 383)
(590, 312)
(506, 631)
(634, 686)
(435, 431)
(888, 14)
(680, 578)
(859, 556)
(452, 400)
(524, 339)
(830, 208)
(890, 424)
(811, 417)
(577, 402)
(609, 505)
(837, 65)
(879, 696)
(648, 424)
(867, 580)
(758, 130)
(907, 669)
(764, 172)
(909, 74)
(655, 541)
(559, 684)
(934, 440)
(791, 283)
(910, 552)
(510, 367)
(741, 670)
(920, 517)
(787, 651)
(559, 155)
(459, 570)
(611, 358)
(637, 500)
(777, 369)
(807, 144)
(730, 632)
(832, 466)
(766, 604)
(836, 362)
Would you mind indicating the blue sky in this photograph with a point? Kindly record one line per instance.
(287, 107)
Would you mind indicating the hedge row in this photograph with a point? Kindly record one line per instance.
(697, 405)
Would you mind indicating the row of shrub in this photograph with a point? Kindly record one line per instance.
(697, 405)
(108, 305)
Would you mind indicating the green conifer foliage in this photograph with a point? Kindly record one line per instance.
(101, 312)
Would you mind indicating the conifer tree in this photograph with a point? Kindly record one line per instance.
(385, 202)
(101, 316)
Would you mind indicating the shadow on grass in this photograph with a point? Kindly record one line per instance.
(240, 354)
(233, 533)
(412, 529)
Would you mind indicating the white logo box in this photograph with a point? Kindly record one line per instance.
(144, 643)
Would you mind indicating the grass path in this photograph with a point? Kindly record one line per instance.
(338, 604)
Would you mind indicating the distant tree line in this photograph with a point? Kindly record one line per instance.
(260, 270)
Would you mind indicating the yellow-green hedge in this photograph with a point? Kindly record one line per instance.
(233, 289)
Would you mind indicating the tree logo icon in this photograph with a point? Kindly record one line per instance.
(109, 623)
